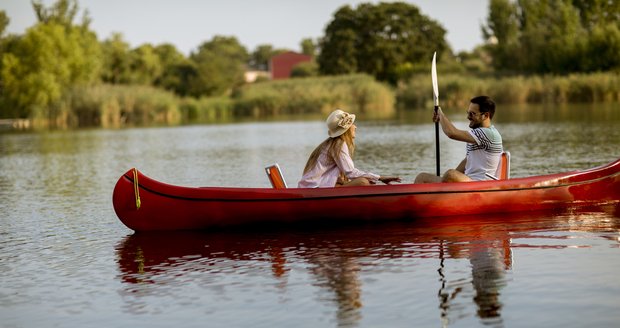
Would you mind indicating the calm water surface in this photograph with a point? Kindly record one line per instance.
(67, 261)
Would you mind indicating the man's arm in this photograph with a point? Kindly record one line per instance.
(450, 130)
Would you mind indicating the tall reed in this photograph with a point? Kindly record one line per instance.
(116, 105)
(206, 110)
(120, 105)
(317, 95)
(456, 89)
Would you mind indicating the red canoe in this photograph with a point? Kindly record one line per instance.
(144, 204)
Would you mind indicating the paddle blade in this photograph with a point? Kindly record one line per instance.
(434, 77)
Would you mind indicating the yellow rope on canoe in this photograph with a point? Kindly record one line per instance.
(136, 190)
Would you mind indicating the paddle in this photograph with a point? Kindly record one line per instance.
(436, 97)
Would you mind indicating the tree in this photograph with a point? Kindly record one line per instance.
(259, 59)
(62, 12)
(382, 40)
(51, 57)
(220, 67)
(305, 69)
(116, 60)
(554, 36)
(308, 47)
(598, 12)
(162, 65)
(603, 50)
(4, 22)
(503, 28)
(176, 69)
(145, 65)
(551, 36)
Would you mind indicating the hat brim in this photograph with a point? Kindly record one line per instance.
(341, 130)
(337, 133)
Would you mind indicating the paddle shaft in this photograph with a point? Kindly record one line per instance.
(436, 96)
(437, 143)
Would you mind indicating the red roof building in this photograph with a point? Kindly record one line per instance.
(282, 64)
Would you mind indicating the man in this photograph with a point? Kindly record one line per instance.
(484, 144)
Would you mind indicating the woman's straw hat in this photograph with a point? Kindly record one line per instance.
(338, 122)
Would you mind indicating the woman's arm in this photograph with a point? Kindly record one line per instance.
(346, 166)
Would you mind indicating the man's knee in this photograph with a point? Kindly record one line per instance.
(453, 175)
(426, 178)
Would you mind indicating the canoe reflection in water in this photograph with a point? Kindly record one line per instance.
(341, 259)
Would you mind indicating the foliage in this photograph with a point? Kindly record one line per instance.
(384, 40)
(220, 67)
(319, 95)
(116, 62)
(554, 36)
(259, 59)
(162, 66)
(175, 69)
(53, 55)
(52, 73)
(113, 106)
(62, 12)
(4, 21)
(305, 69)
(215, 69)
(145, 65)
(455, 90)
(207, 110)
(109, 105)
(308, 47)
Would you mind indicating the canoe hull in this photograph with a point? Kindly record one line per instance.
(169, 207)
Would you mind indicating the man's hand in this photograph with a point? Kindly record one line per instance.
(437, 115)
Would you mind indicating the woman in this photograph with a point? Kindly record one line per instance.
(331, 163)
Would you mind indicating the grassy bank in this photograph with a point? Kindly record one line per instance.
(456, 90)
(360, 94)
(117, 105)
(112, 106)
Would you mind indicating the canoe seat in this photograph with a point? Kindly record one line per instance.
(275, 176)
(503, 169)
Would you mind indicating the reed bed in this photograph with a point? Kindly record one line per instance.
(112, 106)
(456, 89)
(358, 93)
(118, 105)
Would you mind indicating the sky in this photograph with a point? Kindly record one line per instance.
(280, 23)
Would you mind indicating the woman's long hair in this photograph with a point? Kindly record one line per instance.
(333, 146)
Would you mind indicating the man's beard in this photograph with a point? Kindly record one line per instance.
(474, 125)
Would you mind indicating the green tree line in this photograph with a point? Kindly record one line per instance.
(554, 36)
(43, 70)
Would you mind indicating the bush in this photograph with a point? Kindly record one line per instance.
(360, 94)
(456, 90)
(206, 110)
(116, 105)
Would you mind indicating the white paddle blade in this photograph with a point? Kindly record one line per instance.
(434, 77)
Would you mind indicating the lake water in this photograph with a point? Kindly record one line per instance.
(67, 261)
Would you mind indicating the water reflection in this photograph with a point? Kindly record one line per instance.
(338, 272)
(490, 258)
(341, 260)
(59, 235)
